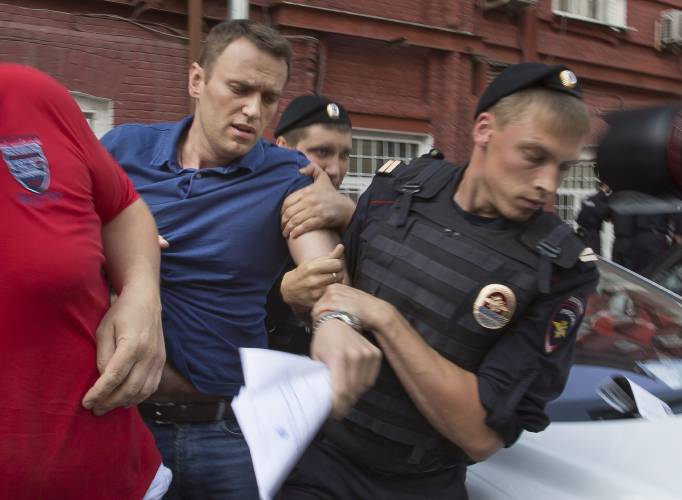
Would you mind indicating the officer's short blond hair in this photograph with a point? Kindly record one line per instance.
(564, 115)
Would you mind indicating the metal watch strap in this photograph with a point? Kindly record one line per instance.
(347, 318)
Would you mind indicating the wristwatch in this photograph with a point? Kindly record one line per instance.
(347, 318)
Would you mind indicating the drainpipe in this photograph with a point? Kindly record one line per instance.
(194, 19)
(239, 9)
(529, 34)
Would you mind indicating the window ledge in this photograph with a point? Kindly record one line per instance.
(570, 15)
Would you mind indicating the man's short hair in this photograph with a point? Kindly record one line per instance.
(263, 37)
(565, 115)
(294, 136)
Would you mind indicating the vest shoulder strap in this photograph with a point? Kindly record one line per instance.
(552, 239)
(424, 177)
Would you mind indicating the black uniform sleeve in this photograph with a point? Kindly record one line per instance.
(351, 237)
(529, 365)
(594, 210)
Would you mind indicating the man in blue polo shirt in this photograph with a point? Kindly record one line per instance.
(216, 190)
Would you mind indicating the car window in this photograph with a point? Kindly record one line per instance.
(668, 272)
(633, 328)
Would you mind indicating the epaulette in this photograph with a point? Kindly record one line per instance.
(388, 167)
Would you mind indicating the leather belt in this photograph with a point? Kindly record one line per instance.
(186, 412)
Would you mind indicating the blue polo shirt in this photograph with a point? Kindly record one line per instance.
(226, 247)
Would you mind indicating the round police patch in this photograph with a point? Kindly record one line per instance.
(494, 306)
(563, 322)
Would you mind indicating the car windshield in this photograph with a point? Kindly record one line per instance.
(668, 272)
(632, 328)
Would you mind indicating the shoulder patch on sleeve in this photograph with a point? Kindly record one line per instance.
(388, 167)
(564, 322)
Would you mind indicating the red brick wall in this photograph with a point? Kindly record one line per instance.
(591, 45)
(142, 72)
(618, 69)
(374, 78)
(392, 87)
(432, 12)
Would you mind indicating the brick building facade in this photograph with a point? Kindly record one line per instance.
(409, 72)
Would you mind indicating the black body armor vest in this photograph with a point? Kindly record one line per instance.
(431, 263)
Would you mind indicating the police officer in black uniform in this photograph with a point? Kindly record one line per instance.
(471, 291)
(321, 129)
(639, 240)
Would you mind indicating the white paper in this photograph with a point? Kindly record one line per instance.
(649, 406)
(667, 370)
(645, 404)
(285, 401)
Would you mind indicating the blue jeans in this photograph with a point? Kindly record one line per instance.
(208, 460)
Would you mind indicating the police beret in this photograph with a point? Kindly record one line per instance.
(524, 75)
(309, 110)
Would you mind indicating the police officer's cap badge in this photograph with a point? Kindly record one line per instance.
(494, 306)
(563, 322)
(568, 79)
(27, 163)
(333, 110)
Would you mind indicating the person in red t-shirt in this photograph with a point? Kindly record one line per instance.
(70, 215)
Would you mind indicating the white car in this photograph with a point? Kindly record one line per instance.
(633, 329)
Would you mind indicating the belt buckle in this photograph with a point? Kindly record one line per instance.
(220, 408)
(158, 413)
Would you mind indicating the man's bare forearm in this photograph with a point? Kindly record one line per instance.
(131, 249)
(445, 394)
(130, 349)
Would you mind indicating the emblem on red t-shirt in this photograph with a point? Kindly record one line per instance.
(26, 162)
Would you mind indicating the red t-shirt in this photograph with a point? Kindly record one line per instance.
(58, 186)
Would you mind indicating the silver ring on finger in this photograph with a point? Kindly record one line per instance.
(334, 276)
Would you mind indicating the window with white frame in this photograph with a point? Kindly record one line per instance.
(98, 112)
(610, 12)
(372, 148)
(579, 183)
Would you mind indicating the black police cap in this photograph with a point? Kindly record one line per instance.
(525, 75)
(308, 110)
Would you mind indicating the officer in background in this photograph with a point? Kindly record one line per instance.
(639, 240)
(321, 129)
(471, 291)
(594, 210)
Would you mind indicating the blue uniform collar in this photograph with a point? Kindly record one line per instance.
(167, 148)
